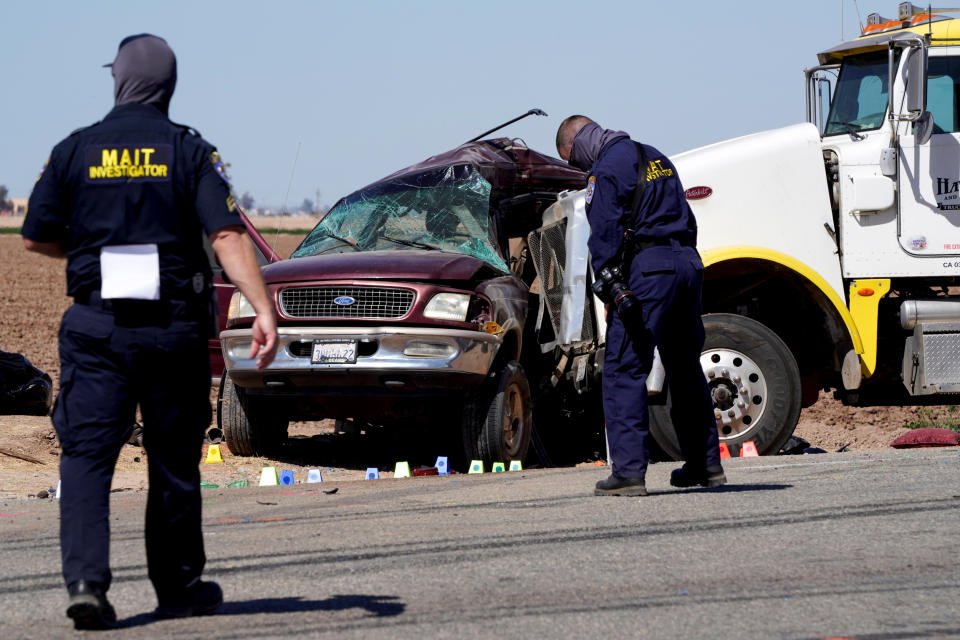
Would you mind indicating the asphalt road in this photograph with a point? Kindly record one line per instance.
(852, 545)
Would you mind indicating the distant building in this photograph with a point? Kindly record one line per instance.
(19, 206)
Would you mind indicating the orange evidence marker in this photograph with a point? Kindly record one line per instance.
(749, 449)
(724, 450)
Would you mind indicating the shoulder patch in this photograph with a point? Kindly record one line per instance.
(591, 187)
(45, 165)
(219, 166)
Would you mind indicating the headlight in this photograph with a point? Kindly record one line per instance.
(240, 350)
(448, 306)
(240, 307)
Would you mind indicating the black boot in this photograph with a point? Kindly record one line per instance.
(89, 607)
(616, 486)
(709, 477)
(199, 599)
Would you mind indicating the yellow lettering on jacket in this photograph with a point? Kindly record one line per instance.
(656, 170)
(128, 163)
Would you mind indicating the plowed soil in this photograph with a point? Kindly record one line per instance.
(33, 298)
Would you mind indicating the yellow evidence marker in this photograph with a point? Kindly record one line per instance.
(476, 466)
(213, 454)
(268, 477)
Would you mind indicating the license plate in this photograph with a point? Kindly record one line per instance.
(334, 352)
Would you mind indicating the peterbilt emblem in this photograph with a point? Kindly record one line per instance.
(697, 193)
(344, 301)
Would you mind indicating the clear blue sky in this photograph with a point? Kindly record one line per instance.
(366, 88)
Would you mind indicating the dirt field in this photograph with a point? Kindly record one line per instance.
(32, 300)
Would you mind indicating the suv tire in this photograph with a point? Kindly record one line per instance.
(498, 418)
(249, 428)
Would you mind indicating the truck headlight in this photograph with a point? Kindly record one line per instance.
(448, 306)
(240, 307)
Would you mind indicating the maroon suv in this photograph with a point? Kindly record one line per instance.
(409, 301)
(224, 289)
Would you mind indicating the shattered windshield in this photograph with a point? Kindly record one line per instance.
(445, 209)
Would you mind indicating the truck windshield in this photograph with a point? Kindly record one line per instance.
(860, 102)
(445, 209)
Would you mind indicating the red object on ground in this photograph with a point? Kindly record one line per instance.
(432, 471)
(749, 449)
(928, 437)
(724, 450)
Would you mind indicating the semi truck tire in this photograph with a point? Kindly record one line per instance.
(248, 428)
(754, 382)
(498, 418)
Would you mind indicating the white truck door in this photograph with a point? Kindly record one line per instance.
(929, 174)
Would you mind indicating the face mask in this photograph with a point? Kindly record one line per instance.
(588, 143)
(144, 72)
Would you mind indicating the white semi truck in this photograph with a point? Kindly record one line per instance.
(831, 248)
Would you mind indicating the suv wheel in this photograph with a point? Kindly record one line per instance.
(498, 419)
(249, 427)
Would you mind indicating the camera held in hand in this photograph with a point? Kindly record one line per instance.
(611, 287)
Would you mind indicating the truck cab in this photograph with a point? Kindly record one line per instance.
(839, 236)
(893, 165)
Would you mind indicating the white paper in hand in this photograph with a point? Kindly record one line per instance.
(130, 271)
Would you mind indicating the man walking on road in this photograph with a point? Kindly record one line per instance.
(643, 251)
(127, 201)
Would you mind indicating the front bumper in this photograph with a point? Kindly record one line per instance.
(381, 361)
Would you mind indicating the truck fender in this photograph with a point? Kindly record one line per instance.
(865, 350)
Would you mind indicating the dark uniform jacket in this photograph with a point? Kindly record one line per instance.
(134, 178)
(663, 213)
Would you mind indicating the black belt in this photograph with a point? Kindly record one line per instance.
(93, 299)
(642, 244)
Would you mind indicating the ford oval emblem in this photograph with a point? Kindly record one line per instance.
(697, 193)
(344, 301)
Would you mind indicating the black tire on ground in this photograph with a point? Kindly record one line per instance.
(498, 418)
(249, 428)
(739, 352)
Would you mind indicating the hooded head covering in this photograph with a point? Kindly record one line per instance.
(144, 71)
(588, 142)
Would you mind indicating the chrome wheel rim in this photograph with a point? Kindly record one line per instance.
(738, 390)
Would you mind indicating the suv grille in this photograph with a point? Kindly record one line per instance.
(318, 302)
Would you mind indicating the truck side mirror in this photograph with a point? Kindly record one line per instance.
(916, 82)
(923, 128)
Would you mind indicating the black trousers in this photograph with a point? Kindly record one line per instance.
(667, 280)
(111, 361)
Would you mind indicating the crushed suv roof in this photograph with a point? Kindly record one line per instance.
(508, 165)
